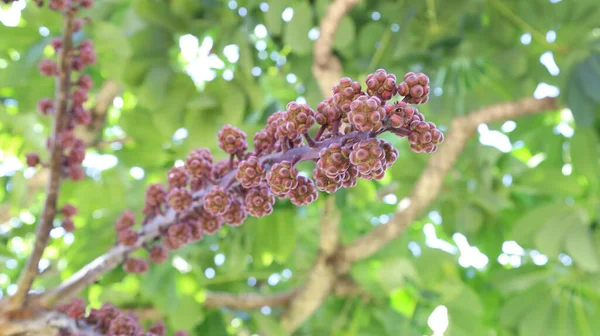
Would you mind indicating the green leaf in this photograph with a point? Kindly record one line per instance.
(112, 47)
(582, 106)
(187, 314)
(392, 273)
(296, 31)
(536, 319)
(580, 247)
(585, 152)
(589, 76)
(159, 13)
(468, 220)
(366, 42)
(273, 19)
(525, 227)
(403, 301)
(268, 325)
(344, 35)
(513, 310)
(550, 239)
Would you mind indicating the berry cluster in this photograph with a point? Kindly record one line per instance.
(205, 195)
(68, 211)
(72, 148)
(109, 320)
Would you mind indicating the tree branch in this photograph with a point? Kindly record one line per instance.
(326, 67)
(63, 87)
(429, 184)
(322, 277)
(248, 300)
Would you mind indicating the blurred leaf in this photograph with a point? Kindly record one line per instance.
(273, 19)
(583, 107)
(344, 35)
(403, 301)
(580, 247)
(550, 238)
(585, 152)
(112, 48)
(296, 31)
(268, 325)
(393, 272)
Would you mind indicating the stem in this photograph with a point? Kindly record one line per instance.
(63, 87)
(309, 140)
(320, 132)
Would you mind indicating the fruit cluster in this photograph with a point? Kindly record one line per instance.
(109, 320)
(64, 140)
(204, 195)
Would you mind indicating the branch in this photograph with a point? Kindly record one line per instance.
(248, 300)
(63, 88)
(91, 134)
(323, 275)
(327, 68)
(429, 184)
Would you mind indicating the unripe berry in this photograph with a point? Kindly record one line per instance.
(87, 55)
(325, 183)
(178, 234)
(88, 4)
(76, 63)
(56, 43)
(76, 173)
(158, 328)
(350, 177)
(57, 5)
(381, 84)
(366, 114)
(177, 177)
(46, 106)
(367, 156)
(264, 142)
(33, 159)
(327, 112)
(77, 25)
(77, 153)
(181, 333)
(197, 183)
(48, 67)
(415, 87)
(125, 325)
(259, 201)
(236, 214)
(195, 226)
(76, 309)
(158, 254)
(250, 172)
(68, 210)
(128, 237)
(297, 120)
(82, 116)
(282, 178)
(304, 193)
(155, 195)
(232, 139)
(85, 82)
(273, 122)
(199, 162)
(125, 220)
(66, 139)
(217, 201)
(222, 168)
(179, 199)
(425, 137)
(79, 96)
(334, 160)
(391, 153)
(210, 223)
(68, 225)
(345, 92)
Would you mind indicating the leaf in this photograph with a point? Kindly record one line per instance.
(589, 76)
(112, 47)
(296, 31)
(403, 301)
(532, 221)
(187, 314)
(268, 325)
(550, 238)
(582, 106)
(519, 279)
(273, 19)
(159, 13)
(366, 42)
(536, 319)
(393, 272)
(580, 247)
(344, 35)
(468, 220)
(513, 310)
(585, 155)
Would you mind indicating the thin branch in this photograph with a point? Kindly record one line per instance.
(429, 184)
(323, 275)
(327, 68)
(248, 300)
(63, 88)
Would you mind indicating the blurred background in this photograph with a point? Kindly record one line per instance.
(511, 245)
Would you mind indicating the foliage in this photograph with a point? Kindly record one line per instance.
(542, 193)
